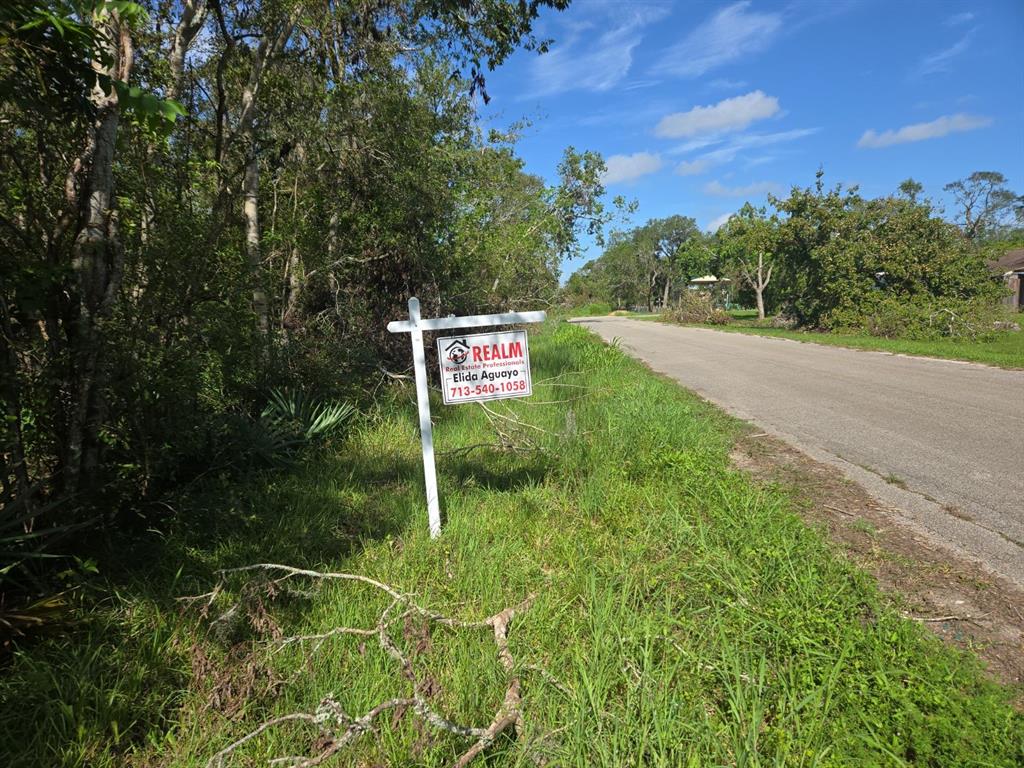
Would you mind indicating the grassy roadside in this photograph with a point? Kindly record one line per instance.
(1005, 350)
(683, 615)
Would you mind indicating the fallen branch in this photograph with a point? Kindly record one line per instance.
(345, 730)
(218, 759)
(509, 714)
(840, 511)
(929, 619)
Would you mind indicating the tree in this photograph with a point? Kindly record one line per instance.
(165, 261)
(669, 236)
(986, 205)
(811, 219)
(910, 189)
(751, 239)
(640, 266)
(513, 232)
(884, 265)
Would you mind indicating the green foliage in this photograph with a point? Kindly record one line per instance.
(306, 415)
(291, 421)
(827, 257)
(132, 348)
(924, 318)
(698, 620)
(592, 309)
(45, 50)
(156, 114)
(844, 260)
(645, 266)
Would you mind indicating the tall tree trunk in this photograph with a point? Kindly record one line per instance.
(270, 43)
(296, 270)
(251, 214)
(97, 262)
(293, 293)
(665, 294)
(193, 14)
(758, 280)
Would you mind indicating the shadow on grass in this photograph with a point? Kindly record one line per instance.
(324, 509)
(483, 471)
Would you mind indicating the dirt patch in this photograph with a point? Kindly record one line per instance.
(954, 598)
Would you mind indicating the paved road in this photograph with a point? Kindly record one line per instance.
(951, 433)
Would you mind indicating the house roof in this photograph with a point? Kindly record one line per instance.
(1011, 261)
(707, 280)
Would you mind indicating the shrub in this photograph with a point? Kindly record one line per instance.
(696, 307)
(923, 318)
(592, 309)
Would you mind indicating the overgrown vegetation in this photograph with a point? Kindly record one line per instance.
(205, 202)
(695, 307)
(210, 209)
(830, 259)
(679, 616)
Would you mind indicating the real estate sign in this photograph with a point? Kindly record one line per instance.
(484, 366)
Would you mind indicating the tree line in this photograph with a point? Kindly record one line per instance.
(827, 258)
(204, 201)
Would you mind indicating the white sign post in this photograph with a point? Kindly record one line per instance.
(497, 354)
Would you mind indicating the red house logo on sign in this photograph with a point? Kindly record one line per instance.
(457, 351)
(484, 366)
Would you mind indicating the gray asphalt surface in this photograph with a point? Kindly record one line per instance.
(950, 433)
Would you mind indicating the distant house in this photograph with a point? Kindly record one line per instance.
(1010, 266)
(707, 283)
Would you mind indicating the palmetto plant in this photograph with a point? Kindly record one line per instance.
(306, 415)
(26, 536)
(290, 421)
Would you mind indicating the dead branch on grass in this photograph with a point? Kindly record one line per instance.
(339, 730)
(840, 511)
(931, 619)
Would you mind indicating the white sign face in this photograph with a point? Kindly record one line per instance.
(484, 366)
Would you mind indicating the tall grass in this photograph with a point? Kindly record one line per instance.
(684, 616)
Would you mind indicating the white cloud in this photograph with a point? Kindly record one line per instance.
(718, 189)
(729, 148)
(959, 18)
(694, 144)
(630, 167)
(727, 85)
(942, 126)
(731, 33)
(636, 85)
(733, 114)
(737, 144)
(718, 222)
(694, 168)
(942, 61)
(596, 54)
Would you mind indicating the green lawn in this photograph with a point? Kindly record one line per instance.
(1005, 350)
(683, 616)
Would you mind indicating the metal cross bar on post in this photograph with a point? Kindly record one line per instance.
(486, 366)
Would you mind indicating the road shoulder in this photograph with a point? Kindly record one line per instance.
(958, 600)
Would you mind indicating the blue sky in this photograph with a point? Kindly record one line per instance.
(698, 106)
